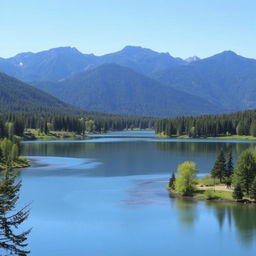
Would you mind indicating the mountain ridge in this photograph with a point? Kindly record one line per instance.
(120, 90)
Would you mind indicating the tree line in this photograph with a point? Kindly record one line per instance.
(240, 123)
(16, 123)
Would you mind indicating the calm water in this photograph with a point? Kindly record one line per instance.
(106, 196)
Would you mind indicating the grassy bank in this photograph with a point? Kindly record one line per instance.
(228, 137)
(35, 134)
(207, 188)
(21, 162)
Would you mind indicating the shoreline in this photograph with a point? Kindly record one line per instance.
(231, 137)
(174, 194)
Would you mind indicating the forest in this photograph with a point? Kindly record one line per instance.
(17, 123)
(239, 123)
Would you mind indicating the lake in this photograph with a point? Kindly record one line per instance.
(106, 196)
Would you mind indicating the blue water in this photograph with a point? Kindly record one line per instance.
(106, 196)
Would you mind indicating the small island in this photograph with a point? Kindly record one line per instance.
(224, 183)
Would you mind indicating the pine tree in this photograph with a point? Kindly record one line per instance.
(10, 219)
(245, 171)
(229, 167)
(253, 190)
(172, 181)
(238, 193)
(1, 155)
(219, 167)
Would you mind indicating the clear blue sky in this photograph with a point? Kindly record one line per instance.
(181, 27)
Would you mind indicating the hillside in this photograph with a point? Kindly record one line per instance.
(226, 79)
(18, 96)
(223, 82)
(120, 90)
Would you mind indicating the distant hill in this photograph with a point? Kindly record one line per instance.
(18, 96)
(226, 79)
(120, 90)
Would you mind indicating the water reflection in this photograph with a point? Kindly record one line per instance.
(187, 211)
(131, 157)
(229, 216)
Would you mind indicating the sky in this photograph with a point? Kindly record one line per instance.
(181, 27)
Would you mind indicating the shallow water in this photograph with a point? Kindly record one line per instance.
(106, 196)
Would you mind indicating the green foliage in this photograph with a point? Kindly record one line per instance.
(245, 171)
(14, 153)
(219, 167)
(238, 192)
(209, 194)
(185, 183)
(240, 123)
(253, 190)
(229, 167)
(172, 181)
(208, 181)
(10, 218)
(6, 147)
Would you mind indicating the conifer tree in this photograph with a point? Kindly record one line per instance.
(229, 167)
(172, 181)
(12, 241)
(219, 167)
(238, 193)
(245, 171)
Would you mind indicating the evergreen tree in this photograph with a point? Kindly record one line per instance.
(253, 129)
(253, 190)
(14, 153)
(6, 146)
(172, 181)
(229, 167)
(245, 171)
(1, 155)
(238, 193)
(219, 167)
(10, 219)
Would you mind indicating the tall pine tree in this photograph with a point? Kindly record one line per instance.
(245, 171)
(219, 167)
(229, 167)
(12, 242)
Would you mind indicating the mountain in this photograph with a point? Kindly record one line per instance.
(226, 79)
(120, 90)
(60, 63)
(54, 64)
(142, 60)
(18, 96)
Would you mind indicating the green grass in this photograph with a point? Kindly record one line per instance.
(211, 194)
(234, 137)
(227, 137)
(36, 134)
(21, 162)
(208, 181)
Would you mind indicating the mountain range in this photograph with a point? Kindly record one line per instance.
(140, 81)
(116, 89)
